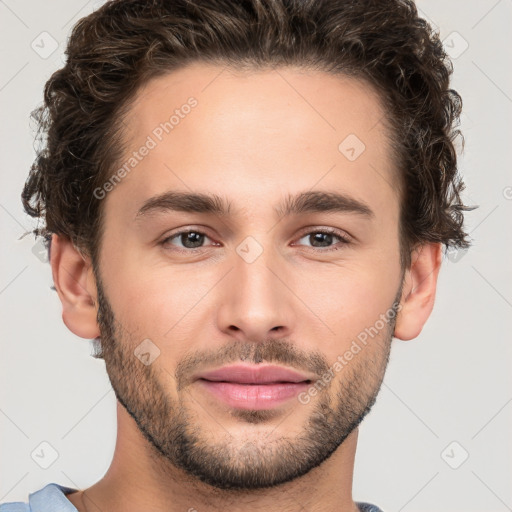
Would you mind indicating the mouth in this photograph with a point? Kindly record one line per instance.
(254, 387)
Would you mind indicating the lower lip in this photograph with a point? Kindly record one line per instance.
(254, 396)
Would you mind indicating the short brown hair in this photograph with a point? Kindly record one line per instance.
(115, 50)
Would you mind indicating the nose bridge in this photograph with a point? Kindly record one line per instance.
(255, 301)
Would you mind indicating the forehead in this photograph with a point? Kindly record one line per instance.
(215, 128)
(228, 97)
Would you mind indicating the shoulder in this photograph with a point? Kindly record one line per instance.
(14, 506)
(365, 507)
(51, 498)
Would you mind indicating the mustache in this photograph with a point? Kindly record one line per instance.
(269, 351)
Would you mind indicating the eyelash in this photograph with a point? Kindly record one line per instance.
(344, 240)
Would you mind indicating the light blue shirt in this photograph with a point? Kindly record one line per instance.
(52, 498)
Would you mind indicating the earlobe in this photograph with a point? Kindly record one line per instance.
(75, 284)
(419, 290)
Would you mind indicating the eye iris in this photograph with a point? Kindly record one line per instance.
(325, 238)
(196, 239)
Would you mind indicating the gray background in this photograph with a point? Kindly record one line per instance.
(447, 394)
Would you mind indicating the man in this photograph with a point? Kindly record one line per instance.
(246, 202)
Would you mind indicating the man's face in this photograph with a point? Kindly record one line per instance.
(250, 286)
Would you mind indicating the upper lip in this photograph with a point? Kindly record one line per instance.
(244, 374)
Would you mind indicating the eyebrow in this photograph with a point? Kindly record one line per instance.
(302, 203)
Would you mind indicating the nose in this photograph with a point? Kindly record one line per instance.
(256, 303)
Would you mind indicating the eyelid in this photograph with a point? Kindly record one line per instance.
(343, 236)
(344, 240)
(331, 231)
(183, 230)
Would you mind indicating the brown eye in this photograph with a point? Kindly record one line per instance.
(189, 239)
(325, 239)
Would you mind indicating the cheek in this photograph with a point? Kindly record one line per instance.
(153, 303)
(161, 303)
(351, 302)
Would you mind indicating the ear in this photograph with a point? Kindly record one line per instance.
(75, 283)
(419, 290)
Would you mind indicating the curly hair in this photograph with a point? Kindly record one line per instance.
(117, 49)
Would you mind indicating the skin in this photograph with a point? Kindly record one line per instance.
(253, 137)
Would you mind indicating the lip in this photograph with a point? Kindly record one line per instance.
(250, 374)
(254, 387)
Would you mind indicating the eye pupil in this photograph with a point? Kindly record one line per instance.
(196, 239)
(325, 238)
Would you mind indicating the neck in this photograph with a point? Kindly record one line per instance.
(138, 478)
